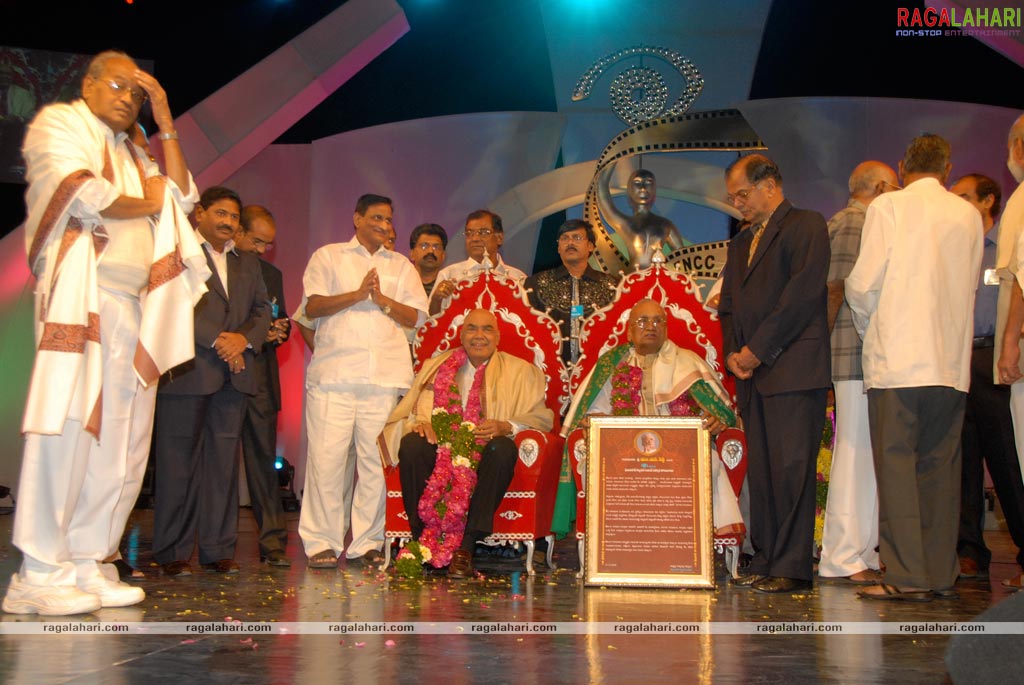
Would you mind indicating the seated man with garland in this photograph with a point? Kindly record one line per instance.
(652, 376)
(453, 434)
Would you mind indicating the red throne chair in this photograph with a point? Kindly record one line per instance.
(526, 511)
(691, 326)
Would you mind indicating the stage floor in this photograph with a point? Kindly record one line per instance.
(313, 598)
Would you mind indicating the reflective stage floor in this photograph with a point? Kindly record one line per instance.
(504, 593)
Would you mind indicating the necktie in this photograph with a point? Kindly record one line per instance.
(758, 232)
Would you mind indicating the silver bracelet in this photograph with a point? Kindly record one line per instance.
(171, 135)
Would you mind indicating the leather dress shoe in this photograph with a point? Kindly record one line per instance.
(461, 566)
(277, 557)
(778, 584)
(176, 569)
(221, 566)
(970, 568)
(747, 580)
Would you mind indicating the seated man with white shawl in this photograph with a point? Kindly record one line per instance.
(673, 382)
(453, 436)
(118, 270)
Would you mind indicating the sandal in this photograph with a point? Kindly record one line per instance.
(891, 593)
(325, 559)
(1015, 583)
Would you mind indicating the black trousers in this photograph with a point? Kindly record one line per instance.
(259, 446)
(988, 435)
(195, 449)
(783, 438)
(416, 459)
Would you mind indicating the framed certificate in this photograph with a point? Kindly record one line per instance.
(649, 521)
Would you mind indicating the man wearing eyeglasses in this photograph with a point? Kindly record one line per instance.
(484, 236)
(256, 233)
(426, 252)
(775, 338)
(673, 381)
(850, 537)
(573, 290)
(101, 215)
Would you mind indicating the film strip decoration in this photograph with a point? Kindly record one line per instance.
(724, 130)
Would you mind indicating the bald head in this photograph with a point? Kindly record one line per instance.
(1015, 149)
(647, 326)
(480, 336)
(870, 179)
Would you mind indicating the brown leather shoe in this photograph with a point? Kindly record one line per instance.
(969, 568)
(176, 569)
(747, 580)
(461, 566)
(221, 566)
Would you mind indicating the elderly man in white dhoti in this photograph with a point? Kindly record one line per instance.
(118, 271)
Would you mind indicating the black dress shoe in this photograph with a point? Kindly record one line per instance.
(277, 557)
(221, 566)
(461, 566)
(747, 580)
(176, 569)
(776, 584)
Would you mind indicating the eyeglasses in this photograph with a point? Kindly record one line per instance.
(891, 185)
(643, 323)
(259, 243)
(139, 96)
(482, 232)
(573, 238)
(380, 218)
(429, 247)
(741, 194)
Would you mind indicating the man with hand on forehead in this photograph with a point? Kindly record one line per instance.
(93, 202)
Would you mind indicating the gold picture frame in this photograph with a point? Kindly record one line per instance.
(649, 514)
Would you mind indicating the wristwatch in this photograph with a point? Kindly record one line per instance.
(386, 309)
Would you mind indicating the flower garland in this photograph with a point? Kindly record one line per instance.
(626, 389)
(626, 394)
(445, 502)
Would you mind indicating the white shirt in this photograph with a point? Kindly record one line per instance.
(220, 259)
(1009, 265)
(65, 138)
(470, 267)
(912, 289)
(361, 344)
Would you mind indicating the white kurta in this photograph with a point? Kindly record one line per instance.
(76, 492)
(360, 365)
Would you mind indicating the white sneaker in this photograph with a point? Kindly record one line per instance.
(46, 600)
(112, 593)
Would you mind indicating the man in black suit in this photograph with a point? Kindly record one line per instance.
(200, 404)
(775, 335)
(259, 429)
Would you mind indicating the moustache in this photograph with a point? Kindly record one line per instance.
(429, 256)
